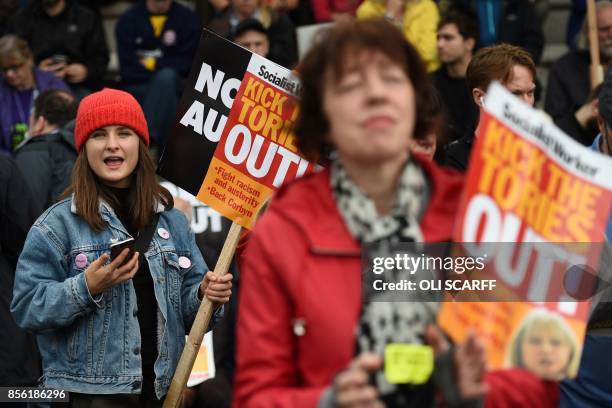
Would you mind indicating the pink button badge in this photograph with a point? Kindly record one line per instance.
(81, 261)
(184, 262)
(162, 232)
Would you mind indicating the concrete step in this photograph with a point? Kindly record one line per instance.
(552, 52)
(555, 25)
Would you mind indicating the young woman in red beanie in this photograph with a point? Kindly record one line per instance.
(111, 331)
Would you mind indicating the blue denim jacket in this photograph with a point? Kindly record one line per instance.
(93, 345)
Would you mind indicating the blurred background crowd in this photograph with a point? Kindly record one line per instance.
(146, 48)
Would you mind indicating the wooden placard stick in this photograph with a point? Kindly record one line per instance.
(596, 70)
(202, 319)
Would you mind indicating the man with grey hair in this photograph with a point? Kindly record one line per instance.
(567, 97)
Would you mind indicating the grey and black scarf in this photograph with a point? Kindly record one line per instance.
(385, 320)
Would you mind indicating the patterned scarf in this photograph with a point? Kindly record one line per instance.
(359, 211)
(383, 319)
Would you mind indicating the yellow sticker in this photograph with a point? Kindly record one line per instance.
(149, 63)
(408, 363)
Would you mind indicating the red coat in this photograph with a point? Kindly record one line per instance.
(519, 388)
(302, 265)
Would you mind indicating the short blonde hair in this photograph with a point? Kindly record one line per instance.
(539, 318)
(13, 47)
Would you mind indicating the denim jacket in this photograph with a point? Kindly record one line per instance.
(93, 345)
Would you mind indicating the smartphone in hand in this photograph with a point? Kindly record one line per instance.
(117, 247)
(59, 59)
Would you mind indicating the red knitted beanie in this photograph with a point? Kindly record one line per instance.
(109, 107)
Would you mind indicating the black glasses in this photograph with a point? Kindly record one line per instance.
(13, 68)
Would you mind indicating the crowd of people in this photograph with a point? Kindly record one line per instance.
(395, 89)
(61, 44)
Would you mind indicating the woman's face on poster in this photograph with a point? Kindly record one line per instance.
(546, 352)
(370, 108)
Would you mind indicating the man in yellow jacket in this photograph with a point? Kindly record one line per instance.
(418, 19)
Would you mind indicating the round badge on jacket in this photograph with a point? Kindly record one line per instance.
(80, 261)
(184, 262)
(169, 38)
(162, 232)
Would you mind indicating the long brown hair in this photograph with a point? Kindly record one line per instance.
(144, 191)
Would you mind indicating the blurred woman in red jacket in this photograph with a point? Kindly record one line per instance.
(301, 301)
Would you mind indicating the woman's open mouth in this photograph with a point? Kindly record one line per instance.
(113, 162)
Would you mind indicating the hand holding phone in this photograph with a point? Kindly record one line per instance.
(117, 247)
(55, 64)
(101, 275)
(59, 59)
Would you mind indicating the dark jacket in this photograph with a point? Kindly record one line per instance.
(8, 8)
(19, 358)
(458, 152)
(519, 25)
(175, 47)
(592, 386)
(46, 162)
(281, 33)
(459, 107)
(76, 33)
(568, 89)
(44, 80)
